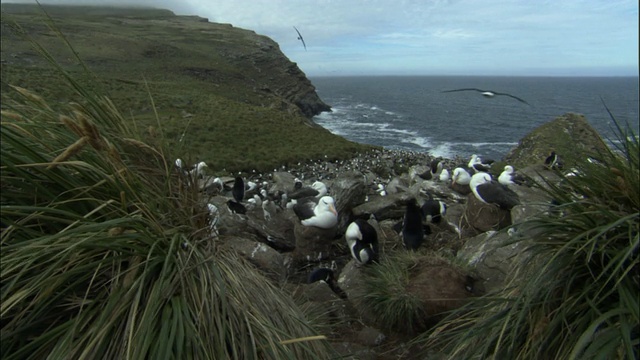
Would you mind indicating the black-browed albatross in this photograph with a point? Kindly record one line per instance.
(301, 39)
(488, 93)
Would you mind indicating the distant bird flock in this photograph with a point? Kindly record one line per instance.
(314, 205)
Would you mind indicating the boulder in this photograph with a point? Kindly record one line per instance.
(492, 256)
(560, 135)
(312, 244)
(484, 217)
(268, 260)
(383, 207)
(349, 191)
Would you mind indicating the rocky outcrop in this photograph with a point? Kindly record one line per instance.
(570, 136)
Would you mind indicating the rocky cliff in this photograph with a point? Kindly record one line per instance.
(214, 92)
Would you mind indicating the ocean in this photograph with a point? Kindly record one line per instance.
(412, 113)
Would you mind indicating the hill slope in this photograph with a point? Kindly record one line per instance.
(224, 95)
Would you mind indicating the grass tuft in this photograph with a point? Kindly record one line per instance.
(93, 222)
(577, 296)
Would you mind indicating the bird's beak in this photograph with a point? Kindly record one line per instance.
(333, 210)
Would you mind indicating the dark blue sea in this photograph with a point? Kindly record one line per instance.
(413, 113)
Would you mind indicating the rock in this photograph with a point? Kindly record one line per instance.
(383, 207)
(370, 336)
(484, 217)
(271, 262)
(440, 286)
(492, 258)
(349, 191)
(570, 135)
(312, 244)
(353, 351)
(282, 181)
(350, 278)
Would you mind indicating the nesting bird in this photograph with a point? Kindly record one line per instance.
(362, 240)
(509, 177)
(476, 164)
(460, 181)
(320, 213)
(492, 192)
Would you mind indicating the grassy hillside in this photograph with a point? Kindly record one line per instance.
(221, 94)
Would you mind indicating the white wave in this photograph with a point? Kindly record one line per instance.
(481, 144)
(444, 150)
(420, 141)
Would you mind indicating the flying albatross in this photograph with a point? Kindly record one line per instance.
(301, 39)
(488, 93)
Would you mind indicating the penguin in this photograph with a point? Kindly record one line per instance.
(362, 240)
(238, 189)
(326, 275)
(412, 228)
(433, 210)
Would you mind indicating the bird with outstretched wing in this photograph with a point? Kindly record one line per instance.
(301, 39)
(488, 93)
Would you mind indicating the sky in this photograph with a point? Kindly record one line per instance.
(434, 37)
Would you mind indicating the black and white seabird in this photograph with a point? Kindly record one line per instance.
(198, 170)
(318, 189)
(412, 227)
(326, 275)
(476, 164)
(320, 213)
(492, 192)
(509, 177)
(236, 207)
(553, 161)
(433, 210)
(362, 240)
(460, 181)
(301, 39)
(238, 189)
(488, 93)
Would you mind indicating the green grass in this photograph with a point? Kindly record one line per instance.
(578, 297)
(94, 262)
(222, 87)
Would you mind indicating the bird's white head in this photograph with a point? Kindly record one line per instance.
(320, 187)
(327, 203)
(479, 179)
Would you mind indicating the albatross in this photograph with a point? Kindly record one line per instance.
(488, 93)
(322, 214)
(301, 39)
(492, 192)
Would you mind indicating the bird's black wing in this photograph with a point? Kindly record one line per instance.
(512, 96)
(465, 89)
(301, 39)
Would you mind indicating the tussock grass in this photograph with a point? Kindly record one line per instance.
(104, 253)
(385, 293)
(577, 297)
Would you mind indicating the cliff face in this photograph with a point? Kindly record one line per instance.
(211, 92)
(130, 43)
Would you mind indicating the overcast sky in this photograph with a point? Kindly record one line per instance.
(436, 37)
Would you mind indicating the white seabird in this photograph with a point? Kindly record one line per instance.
(509, 177)
(488, 93)
(322, 214)
(492, 192)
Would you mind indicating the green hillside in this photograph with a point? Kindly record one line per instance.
(223, 95)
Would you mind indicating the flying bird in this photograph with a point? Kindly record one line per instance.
(488, 93)
(301, 39)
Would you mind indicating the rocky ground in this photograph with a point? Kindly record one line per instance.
(464, 256)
